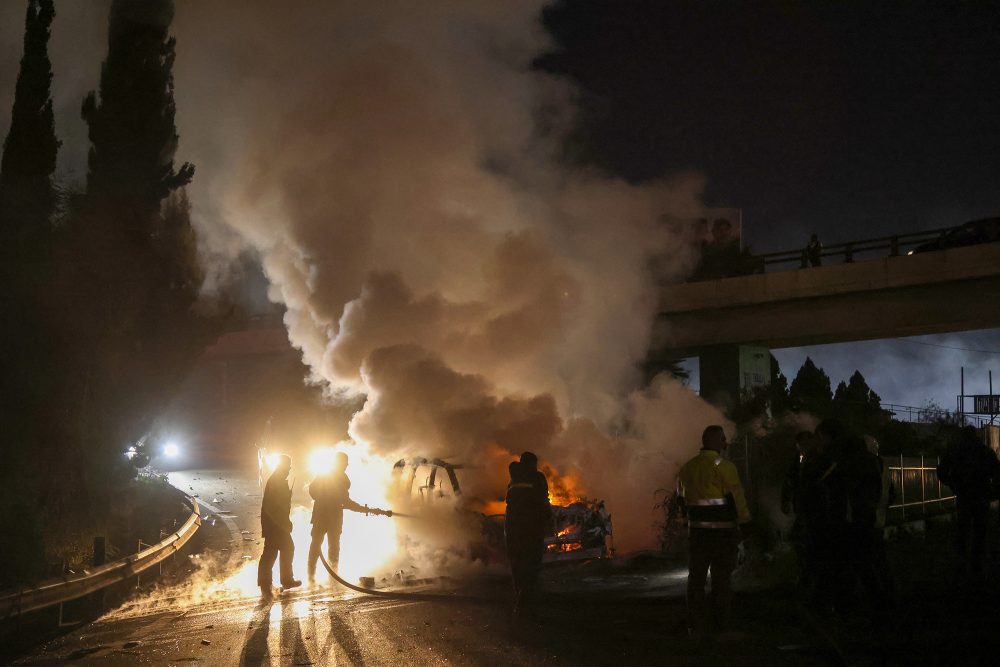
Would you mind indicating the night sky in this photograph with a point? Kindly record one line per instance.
(848, 119)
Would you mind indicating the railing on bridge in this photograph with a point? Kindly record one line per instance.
(929, 414)
(919, 492)
(887, 246)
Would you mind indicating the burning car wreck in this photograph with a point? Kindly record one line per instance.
(581, 530)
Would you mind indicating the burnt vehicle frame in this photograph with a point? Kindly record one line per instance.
(581, 530)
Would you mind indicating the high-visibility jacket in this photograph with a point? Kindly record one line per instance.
(709, 488)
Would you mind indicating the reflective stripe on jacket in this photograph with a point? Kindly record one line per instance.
(711, 491)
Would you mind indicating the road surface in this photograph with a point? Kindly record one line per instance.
(213, 615)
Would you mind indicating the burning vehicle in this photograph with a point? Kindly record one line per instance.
(581, 530)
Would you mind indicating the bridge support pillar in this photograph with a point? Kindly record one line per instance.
(729, 373)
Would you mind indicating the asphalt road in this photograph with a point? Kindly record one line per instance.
(209, 612)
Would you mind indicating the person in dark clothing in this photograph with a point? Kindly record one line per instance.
(793, 492)
(331, 496)
(820, 508)
(276, 529)
(970, 469)
(526, 522)
(814, 251)
(862, 540)
(865, 540)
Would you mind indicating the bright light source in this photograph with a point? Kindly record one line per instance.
(321, 460)
(272, 460)
(171, 450)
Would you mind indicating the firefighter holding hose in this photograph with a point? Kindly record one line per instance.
(331, 496)
(711, 496)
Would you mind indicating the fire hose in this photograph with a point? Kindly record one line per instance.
(558, 598)
(399, 595)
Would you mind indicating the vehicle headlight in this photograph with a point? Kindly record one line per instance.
(171, 450)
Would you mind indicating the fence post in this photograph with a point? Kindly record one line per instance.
(923, 499)
(938, 465)
(894, 246)
(848, 253)
(902, 487)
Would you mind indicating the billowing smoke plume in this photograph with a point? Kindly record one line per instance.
(393, 165)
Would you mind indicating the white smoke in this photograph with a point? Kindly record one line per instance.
(393, 164)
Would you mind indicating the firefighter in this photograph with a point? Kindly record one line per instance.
(712, 499)
(526, 522)
(331, 496)
(276, 529)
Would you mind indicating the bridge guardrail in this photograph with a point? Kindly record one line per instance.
(893, 244)
(58, 590)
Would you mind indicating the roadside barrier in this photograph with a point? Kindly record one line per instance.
(60, 590)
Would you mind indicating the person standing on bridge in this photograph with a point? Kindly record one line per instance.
(711, 497)
(813, 252)
(526, 522)
(331, 496)
(276, 529)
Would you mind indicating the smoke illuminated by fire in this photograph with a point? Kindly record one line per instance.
(396, 168)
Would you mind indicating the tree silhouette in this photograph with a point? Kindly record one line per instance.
(778, 389)
(131, 127)
(27, 195)
(858, 406)
(810, 390)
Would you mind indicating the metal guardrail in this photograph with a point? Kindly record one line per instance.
(893, 244)
(928, 415)
(64, 589)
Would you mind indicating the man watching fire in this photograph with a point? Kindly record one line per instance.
(711, 496)
(526, 522)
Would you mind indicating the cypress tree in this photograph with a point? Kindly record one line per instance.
(131, 125)
(810, 390)
(858, 405)
(27, 194)
(777, 391)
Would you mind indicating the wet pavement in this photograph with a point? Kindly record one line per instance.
(212, 616)
(208, 612)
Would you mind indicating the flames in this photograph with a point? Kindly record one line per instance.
(567, 539)
(564, 489)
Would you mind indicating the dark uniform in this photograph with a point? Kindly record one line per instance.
(970, 469)
(865, 548)
(709, 489)
(276, 529)
(821, 508)
(526, 523)
(331, 496)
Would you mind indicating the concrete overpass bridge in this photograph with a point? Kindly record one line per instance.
(904, 295)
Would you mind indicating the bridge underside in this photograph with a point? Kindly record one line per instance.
(936, 292)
